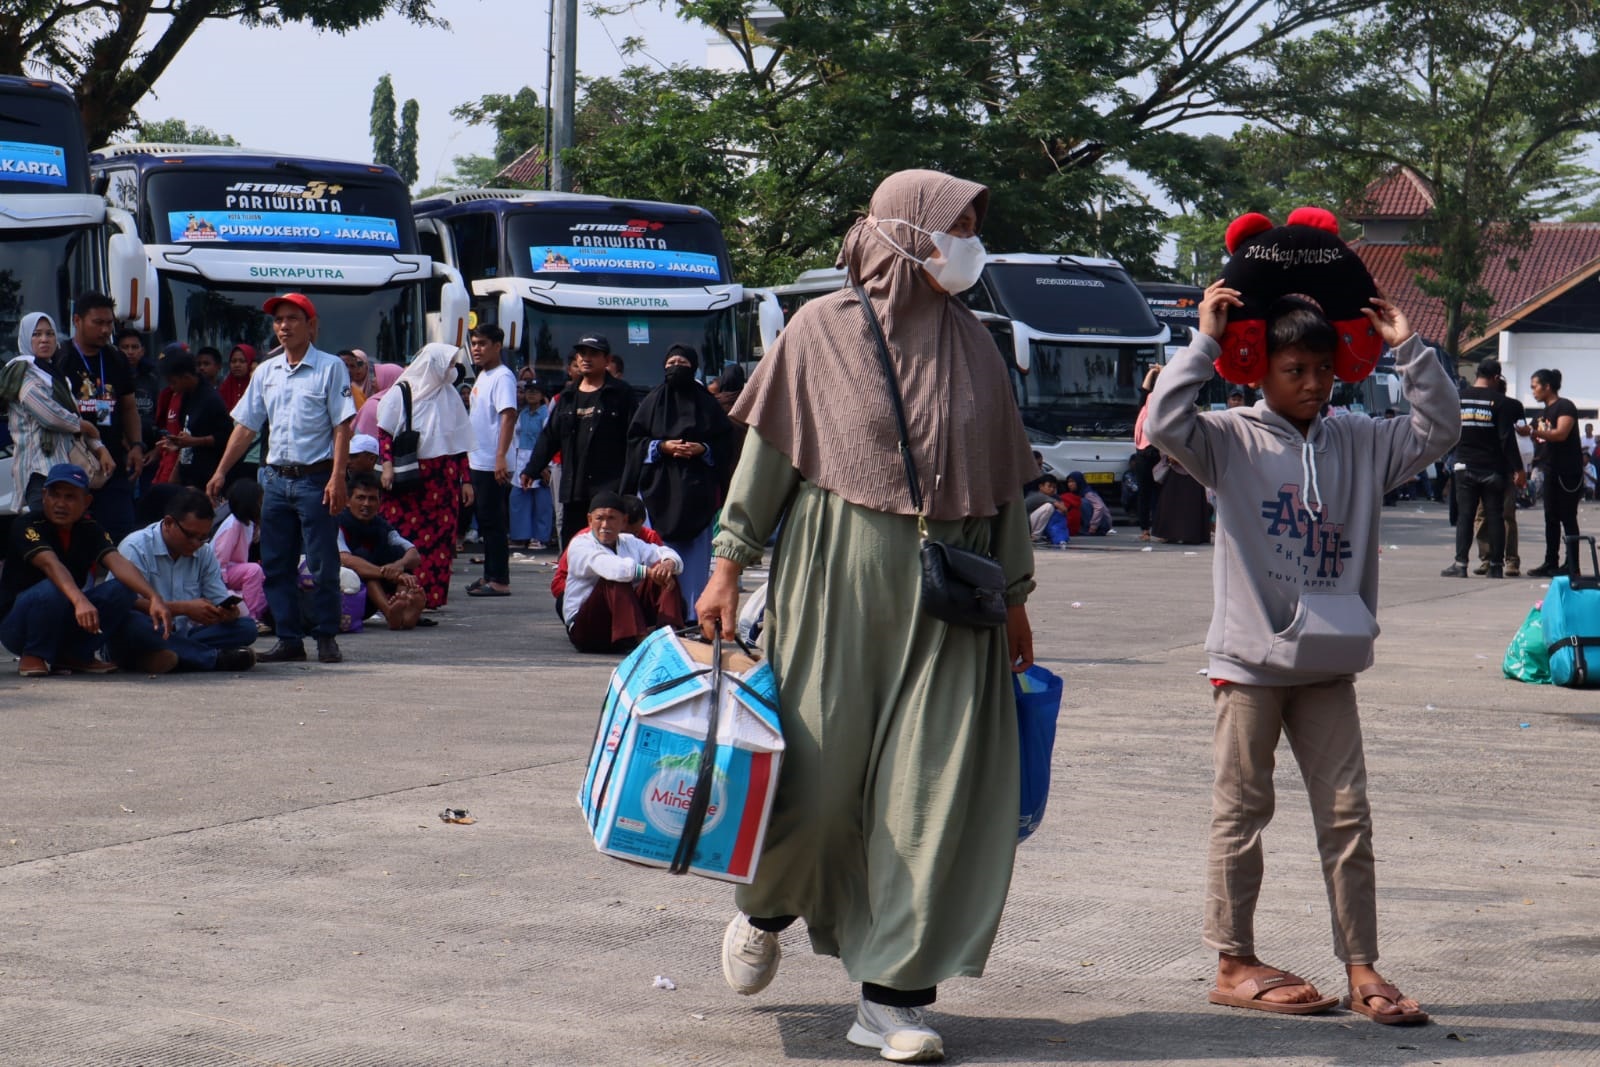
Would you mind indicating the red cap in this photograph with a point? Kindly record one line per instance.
(299, 300)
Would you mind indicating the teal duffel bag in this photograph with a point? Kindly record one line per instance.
(1571, 618)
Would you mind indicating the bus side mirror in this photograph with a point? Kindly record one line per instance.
(453, 305)
(769, 315)
(130, 272)
(508, 313)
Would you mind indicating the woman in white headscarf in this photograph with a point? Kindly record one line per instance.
(44, 419)
(426, 515)
(895, 818)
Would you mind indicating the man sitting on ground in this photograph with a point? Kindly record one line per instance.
(46, 617)
(1043, 502)
(619, 587)
(209, 632)
(381, 558)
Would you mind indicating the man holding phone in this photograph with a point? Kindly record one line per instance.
(209, 632)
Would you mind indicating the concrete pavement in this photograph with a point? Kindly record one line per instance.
(238, 870)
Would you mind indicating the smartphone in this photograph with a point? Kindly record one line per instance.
(231, 601)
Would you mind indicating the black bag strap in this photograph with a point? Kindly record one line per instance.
(405, 398)
(912, 482)
(1574, 571)
(695, 817)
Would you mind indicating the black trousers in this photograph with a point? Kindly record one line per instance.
(493, 503)
(1474, 487)
(1560, 513)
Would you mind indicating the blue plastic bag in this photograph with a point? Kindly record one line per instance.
(1057, 530)
(1038, 694)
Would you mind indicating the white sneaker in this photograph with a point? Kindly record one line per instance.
(749, 956)
(899, 1034)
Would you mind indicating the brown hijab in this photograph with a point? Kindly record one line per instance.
(819, 397)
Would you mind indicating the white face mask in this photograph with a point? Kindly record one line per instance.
(956, 262)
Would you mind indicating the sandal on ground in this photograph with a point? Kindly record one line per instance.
(425, 621)
(476, 560)
(488, 590)
(1247, 993)
(479, 584)
(1357, 1002)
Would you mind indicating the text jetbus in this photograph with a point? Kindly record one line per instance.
(1077, 336)
(552, 267)
(225, 228)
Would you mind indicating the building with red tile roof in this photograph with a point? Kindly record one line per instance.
(1546, 293)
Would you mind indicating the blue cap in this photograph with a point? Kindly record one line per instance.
(67, 474)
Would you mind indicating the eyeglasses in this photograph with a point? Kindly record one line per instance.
(194, 538)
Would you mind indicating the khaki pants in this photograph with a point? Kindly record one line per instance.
(1512, 559)
(1324, 733)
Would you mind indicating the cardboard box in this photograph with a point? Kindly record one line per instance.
(645, 762)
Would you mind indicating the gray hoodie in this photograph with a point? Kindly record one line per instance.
(1295, 572)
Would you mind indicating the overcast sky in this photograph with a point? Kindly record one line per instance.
(295, 90)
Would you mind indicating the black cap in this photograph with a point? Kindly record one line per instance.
(595, 341)
(605, 498)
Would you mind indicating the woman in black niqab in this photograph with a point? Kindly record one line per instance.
(680, 457)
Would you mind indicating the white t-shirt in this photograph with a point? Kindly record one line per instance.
(494, 391)
(589, 562)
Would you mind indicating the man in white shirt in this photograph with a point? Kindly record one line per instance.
(493, 414)
(619, 588)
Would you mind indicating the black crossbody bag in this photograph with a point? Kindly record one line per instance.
(407, 444)
(960, 587)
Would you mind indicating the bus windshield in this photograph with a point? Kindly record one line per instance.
(1065, 298)
(387, 323)
(641, 338)
(298, 209)
(618, 246)
(1075, 390)
(42, 270)
(41, 143)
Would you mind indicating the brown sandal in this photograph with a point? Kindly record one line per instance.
(1247, 992)
(1357, 1002)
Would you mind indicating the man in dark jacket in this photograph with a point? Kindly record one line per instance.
(589, 428)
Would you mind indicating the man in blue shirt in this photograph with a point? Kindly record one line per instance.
(209, 633)
(303, 394)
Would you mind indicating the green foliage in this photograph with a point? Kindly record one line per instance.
(406, 143)
(518, 121)
(112, 53)
(1057, 105)
(470, 172)
(1463, 92)
(177, 131)
(382, 123)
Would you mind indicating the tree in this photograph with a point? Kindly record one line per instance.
(1063, 107)
(112, 53)
(382, 123)
(406, 143)
(519, 121)
(177, 131)
(1463, 92)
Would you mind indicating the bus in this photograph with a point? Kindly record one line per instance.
(1077, 337)
(53, 228)
(551, 267)
(224, 228)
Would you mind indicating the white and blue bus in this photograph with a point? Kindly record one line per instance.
(225, 228)
(549, 268)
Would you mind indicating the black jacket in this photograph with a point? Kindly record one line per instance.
(585, 471)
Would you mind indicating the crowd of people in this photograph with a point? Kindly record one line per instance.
(334, 492)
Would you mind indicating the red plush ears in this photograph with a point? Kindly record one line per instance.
(1304, 256)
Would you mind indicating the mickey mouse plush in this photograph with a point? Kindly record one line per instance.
(1305, 257)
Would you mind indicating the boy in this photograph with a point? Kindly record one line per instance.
(381, 558)
(1296, 577)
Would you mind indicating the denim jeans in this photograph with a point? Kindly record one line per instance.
(197, 649)
(42, 621)
(492, 501)
(1475, 487)
(294, 520)
(112, 506)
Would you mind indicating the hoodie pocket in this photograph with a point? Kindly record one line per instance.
(1331, 633)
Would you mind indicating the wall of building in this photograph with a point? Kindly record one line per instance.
(1575, 355)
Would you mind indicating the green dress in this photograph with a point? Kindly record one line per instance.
(895, 821)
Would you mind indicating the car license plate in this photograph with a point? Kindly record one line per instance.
(1100, 477)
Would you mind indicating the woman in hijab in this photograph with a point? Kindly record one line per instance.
(679, 461)
(894, 825)
(44, 418)
(728, 386)
(241, 365)
(426, 515)
(383, 378)
(359, 367)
